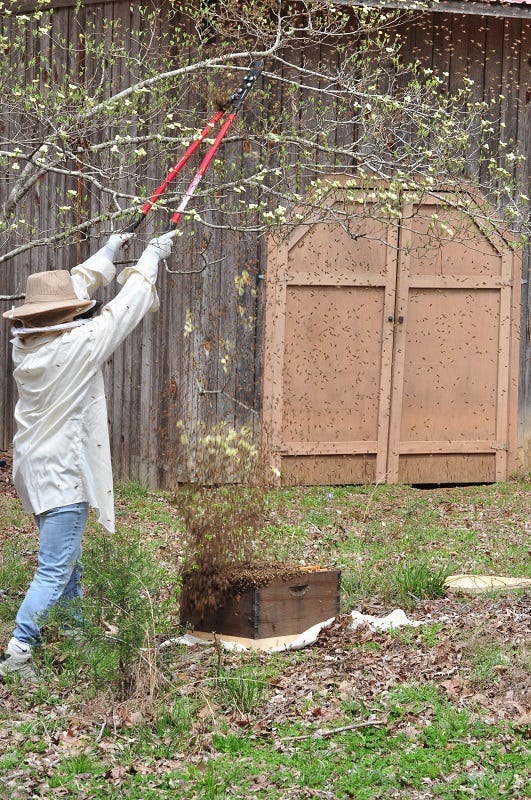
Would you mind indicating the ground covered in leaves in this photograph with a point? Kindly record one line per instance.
(440, 710)
(350, 682)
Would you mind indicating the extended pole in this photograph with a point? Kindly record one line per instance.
(236, 103)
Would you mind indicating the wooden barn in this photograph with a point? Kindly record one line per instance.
(360, 356)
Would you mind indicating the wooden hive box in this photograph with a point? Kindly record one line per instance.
(280, 608)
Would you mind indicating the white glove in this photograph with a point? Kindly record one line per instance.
(115, 241)
(148, 263)
(161, 246)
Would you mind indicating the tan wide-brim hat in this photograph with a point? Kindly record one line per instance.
(47, 292)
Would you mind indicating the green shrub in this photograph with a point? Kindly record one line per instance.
(419, 580)
(122, 580)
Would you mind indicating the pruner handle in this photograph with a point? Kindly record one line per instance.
(135, 223)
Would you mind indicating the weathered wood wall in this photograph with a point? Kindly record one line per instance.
(494, 52)
(161, 375)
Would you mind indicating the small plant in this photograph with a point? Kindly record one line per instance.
(488, 661)
(80, 764)
(447, 724)
(122, 580)
(174, 718)
(14, 579)
(242, 689)
(419, 580)
(431, 634)
(358, 583)
(487, 668)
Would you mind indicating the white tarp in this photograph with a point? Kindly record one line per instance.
(395, 619)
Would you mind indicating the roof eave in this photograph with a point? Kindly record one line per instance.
(475, 7)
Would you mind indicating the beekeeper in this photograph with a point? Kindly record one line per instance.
(61, 452)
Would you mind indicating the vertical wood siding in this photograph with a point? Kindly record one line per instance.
(160, 375)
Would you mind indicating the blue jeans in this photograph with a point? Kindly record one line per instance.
(58, 576)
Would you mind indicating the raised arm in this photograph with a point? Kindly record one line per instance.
(138, 296)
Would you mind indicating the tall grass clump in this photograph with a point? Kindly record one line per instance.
(243, 689)
(419, 580)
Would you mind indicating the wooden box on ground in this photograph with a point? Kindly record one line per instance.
(282, 607)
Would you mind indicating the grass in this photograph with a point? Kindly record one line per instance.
(243, 689)
(383, 766)
(415, 713)
(419, 580)
(14, 578)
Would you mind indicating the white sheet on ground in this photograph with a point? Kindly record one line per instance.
(396, 619)
(277, 644)
(274, 644)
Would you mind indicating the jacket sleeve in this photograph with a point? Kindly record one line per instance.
(120, 316)
(96, 271)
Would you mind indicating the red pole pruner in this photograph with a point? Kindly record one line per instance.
(234, 104)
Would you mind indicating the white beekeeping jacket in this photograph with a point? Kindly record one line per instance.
(61, 452)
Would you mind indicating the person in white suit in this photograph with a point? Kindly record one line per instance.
(61, 453)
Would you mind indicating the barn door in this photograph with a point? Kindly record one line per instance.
(454, 382)
(388, 354)
(329, 354)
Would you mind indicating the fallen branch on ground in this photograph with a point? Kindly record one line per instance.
(322, 734)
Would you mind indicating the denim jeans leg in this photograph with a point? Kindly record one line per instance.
(71, 597)
(58, 572)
